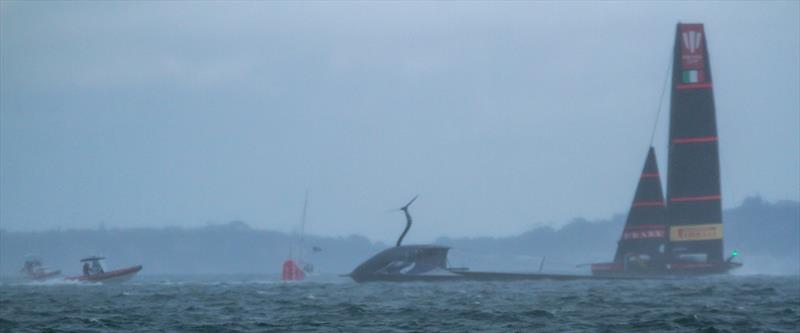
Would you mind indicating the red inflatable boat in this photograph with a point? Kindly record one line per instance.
(93, 272)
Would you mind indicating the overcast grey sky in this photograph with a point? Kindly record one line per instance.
(500, 115)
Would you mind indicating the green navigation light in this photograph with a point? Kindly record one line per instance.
(735, 253)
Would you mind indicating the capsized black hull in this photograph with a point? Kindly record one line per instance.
(483, 276)
(428, 263)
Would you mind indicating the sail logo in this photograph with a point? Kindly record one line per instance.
(637, 232)
(691, 40)
(692, 52)
(695, 232)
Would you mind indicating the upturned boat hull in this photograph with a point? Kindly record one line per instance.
(428, 263)
(479, 276)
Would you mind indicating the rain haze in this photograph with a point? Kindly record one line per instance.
(501, 116)
(247, 166)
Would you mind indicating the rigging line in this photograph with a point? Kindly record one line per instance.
(303, 217)
(303, 227)
(660, 103)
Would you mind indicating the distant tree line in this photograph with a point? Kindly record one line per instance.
(767, 236)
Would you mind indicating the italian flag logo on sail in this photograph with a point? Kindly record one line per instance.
(693, 76)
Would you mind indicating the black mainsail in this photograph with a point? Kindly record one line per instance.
(693, 182)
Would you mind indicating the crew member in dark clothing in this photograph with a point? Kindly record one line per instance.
(86, 268)
(96, 268)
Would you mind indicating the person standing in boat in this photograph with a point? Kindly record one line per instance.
(86, 268)
(96, 268)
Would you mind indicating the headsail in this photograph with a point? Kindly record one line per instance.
(693, 182)
(645, 235)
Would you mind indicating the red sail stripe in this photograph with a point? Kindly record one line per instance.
(650, 175)
(699, 198)
(646, 226)
(648, 203)
(695, 140)
(693, 86)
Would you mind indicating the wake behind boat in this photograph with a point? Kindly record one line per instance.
(93, 272)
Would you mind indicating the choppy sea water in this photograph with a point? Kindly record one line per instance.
(331, 304)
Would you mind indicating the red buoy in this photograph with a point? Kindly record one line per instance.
(291, 272)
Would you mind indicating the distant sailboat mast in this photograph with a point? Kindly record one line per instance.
(290, 268)
(301, 257)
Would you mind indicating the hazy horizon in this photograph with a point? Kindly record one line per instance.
(764, 235)
(501, 116)
(397, 227)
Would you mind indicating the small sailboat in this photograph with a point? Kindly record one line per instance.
(296, 268)
(682, 235)
(93, 272)
(35, 271)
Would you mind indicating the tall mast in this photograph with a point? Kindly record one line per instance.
(693, 180)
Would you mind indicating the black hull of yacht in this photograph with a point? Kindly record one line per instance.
(673, 270)
(483, 276)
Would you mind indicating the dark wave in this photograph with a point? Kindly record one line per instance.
(725, 304)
